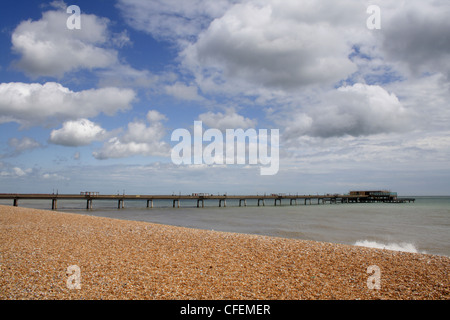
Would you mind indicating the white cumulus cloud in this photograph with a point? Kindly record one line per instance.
(357, 110)
(140, 138)
(48, 48)
(228, 120)
(77, 133)
(39, 104)
(275, 44)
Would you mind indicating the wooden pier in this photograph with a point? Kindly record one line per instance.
(278, 199)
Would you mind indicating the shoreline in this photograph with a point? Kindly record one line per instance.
(122, 259)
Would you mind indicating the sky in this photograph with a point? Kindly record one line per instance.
(360, 96)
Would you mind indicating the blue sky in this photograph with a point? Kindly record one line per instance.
(93, 109)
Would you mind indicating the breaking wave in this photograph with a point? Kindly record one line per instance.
(403, 246)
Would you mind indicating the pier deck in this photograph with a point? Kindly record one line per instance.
(176, 199)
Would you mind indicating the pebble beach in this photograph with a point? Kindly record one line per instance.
(44, 253)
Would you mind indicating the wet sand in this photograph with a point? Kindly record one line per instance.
(119, 259)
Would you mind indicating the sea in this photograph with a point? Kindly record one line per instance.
(419, 227)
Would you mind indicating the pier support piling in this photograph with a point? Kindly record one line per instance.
(54, 204)
(16, 202)
(198, 203)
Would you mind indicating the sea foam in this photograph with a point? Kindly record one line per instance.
(403, 246)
